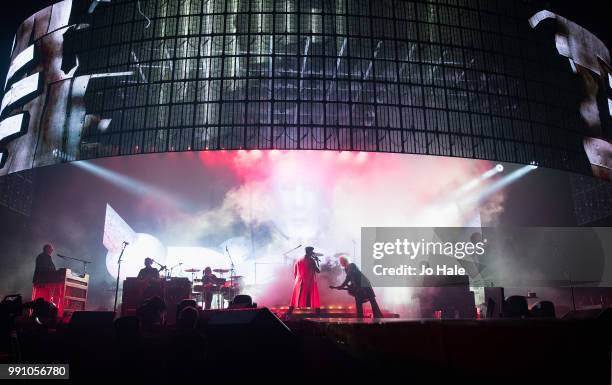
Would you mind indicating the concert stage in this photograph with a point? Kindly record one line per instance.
(416, 191)
(326, 312)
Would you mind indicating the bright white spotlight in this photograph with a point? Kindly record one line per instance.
(130, 184)
(472, 184)
(503, 182)
(533, 165)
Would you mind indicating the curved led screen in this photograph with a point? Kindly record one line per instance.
(495, 80)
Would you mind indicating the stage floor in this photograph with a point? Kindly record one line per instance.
(365, 321)
(326, 312)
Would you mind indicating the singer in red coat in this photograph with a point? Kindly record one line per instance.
(305, 290)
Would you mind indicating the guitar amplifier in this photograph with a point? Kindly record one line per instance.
(175, 290)
(135, 291)
(172, 291)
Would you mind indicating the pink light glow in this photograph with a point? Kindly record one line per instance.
(321, 198)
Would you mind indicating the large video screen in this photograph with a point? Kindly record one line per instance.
(485, 80)
(260, 209)
(190, 210)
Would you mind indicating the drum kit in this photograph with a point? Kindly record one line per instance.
(222, 288)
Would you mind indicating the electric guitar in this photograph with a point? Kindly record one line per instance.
(353, 291)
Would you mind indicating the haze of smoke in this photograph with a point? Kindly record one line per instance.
(324, 199)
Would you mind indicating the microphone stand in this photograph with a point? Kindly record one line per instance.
(169, 271)
(161, 267)
(84, 262)
(123, 246)
(232, 271)
(286, 253)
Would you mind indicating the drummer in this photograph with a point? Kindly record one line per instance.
(209, 281)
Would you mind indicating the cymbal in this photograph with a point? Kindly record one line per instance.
(220, 270)
(192, 270)
(235, 276)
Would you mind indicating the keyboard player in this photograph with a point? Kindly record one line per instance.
(45, 270)
(148, 272)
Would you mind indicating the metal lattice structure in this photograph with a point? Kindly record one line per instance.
(592, 199)
(17, 192)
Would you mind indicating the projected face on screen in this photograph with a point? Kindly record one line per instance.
(589, 59)
(43, 108)
(259, 206)
(286, 199)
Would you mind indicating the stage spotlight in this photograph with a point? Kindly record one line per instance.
(129, 184)
(503, 182)
(478, 180)
(533, 165)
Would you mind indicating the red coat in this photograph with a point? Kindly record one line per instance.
(305, 290)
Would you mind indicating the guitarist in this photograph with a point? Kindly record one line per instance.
(359, 287)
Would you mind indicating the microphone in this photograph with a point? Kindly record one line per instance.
(72, 258)
(161, 267)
